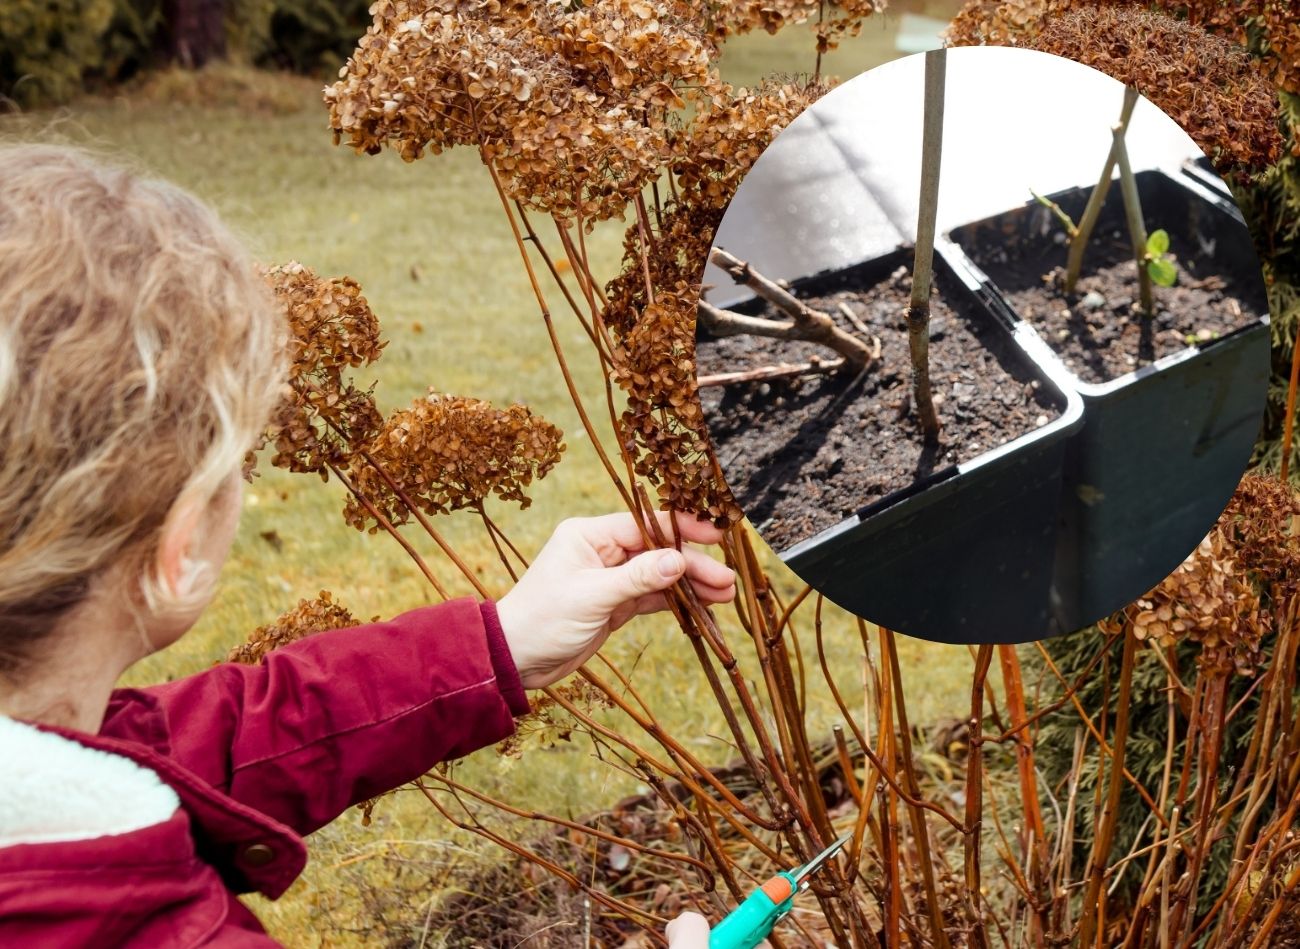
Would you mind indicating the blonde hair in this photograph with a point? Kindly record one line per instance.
(140, 355)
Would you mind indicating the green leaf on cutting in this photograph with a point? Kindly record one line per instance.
(1163, 272)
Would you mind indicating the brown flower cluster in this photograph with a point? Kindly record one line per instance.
(1212, 88)
(309, 616)
(1270, 28)
(1262, 523)
(571, 102)
(332, 329)
(1276, 24)
(663, 426)
(999, 22)
(834, 20)
(729, 134)
(446, 453)
(1209, 600)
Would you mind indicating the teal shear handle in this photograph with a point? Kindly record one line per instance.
(751, 922)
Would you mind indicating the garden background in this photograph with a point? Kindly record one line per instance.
(435, 258)
(436, 261)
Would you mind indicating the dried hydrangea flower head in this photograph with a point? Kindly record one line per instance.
(1210, 87)
(1213, 598)
(1269, 27)
(729, 133)
(833, 20)
(571, 102)
(1208, 600)
(309, 616)
(1262, 522)
(447, 453)
(998, 22)
(332, 329)
(663, 425)
(1219, 96)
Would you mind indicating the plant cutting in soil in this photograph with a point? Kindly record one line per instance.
(1111, 320)
(802, 453)
(1100, 331)
(918, 309)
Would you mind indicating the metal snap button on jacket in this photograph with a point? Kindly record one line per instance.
(258, 855)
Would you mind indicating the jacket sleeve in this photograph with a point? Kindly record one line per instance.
(338, 717)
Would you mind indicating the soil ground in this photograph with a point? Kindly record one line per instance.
(1100, 331)
(802, 454)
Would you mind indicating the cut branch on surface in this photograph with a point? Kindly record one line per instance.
(805, 324)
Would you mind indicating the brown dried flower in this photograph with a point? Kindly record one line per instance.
(549, 722)
(308, 617)
(331, 329)
(999, 22)
(1226, 595)
(728, 135)
(570, 102)
(663, 425)
(446, 453)
(1274, 23)
(1213, 89)
(1262, 523)
(1209, 600)
(833, 21)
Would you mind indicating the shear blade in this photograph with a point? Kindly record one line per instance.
(817, 862)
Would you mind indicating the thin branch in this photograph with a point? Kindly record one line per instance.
(806, 323)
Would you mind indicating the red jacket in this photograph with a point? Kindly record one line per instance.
(259, 756)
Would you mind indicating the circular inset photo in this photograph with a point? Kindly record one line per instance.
(983, 346)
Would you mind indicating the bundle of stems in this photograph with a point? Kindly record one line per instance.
(997, 861)
(915, 865)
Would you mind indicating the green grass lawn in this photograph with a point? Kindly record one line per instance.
(428, 244)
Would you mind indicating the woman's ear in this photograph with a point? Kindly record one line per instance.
(174, 561)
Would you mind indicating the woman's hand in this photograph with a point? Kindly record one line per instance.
(691, 931)
(590, 578)
(688, 931)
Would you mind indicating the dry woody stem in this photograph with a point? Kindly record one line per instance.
(918, 313)
(805, 323)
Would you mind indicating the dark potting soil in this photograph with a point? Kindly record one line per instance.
(802, 454)
(1100, 331)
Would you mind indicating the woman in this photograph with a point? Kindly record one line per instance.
(140, 355)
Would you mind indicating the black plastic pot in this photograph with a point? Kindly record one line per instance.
(965, 554)
(1201, 170)
(1161, 449)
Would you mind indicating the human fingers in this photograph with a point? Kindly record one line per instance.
(617, 536)
(688, 931)
(703, 570)
(647, 573)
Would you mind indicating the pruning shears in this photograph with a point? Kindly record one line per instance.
(751, 922)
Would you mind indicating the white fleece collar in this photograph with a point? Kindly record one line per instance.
(53, 789)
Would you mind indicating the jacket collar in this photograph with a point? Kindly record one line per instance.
(250, 850)
(54, 789)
